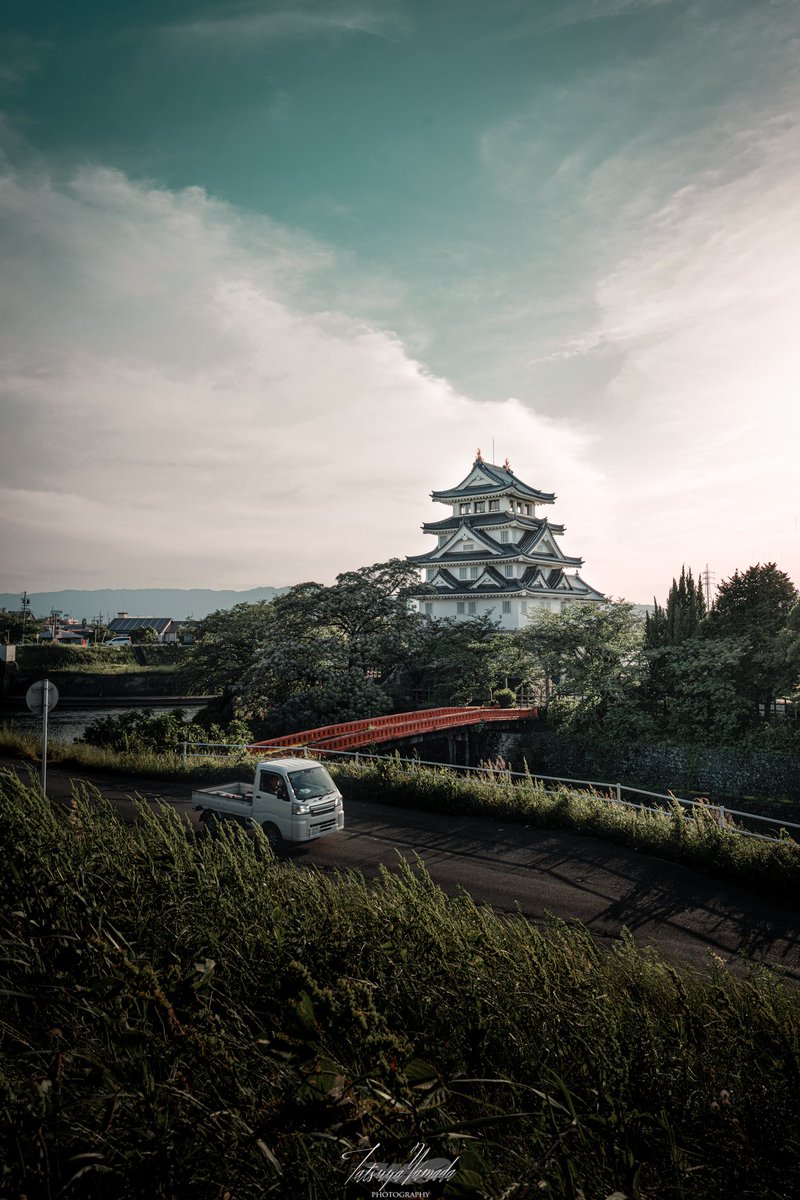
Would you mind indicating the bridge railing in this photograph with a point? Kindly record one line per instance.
(730, 819)
(362, 732)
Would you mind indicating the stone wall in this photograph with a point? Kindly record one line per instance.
(721, 773)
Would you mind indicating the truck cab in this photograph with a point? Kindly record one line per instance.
(294, 800)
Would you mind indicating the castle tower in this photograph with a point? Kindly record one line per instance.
(494, 554)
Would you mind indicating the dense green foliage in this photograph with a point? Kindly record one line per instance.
(317, 655)
(139, 730)
(13, 625)
(194, 1019)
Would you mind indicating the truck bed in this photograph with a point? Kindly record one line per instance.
(217, 796)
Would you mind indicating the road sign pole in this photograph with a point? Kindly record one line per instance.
(45, 708)
(40, 698)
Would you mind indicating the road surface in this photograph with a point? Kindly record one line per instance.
(607, 888)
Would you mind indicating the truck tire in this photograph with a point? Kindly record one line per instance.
(273, 836)
(209, 822)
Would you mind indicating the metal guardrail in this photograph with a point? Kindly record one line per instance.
(614, 793)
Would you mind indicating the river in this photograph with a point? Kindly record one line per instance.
(68, 721)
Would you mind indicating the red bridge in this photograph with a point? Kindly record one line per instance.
(351, 734)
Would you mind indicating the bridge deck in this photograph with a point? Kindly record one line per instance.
(350, 734)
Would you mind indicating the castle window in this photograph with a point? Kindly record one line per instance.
(471, 607)
(464, 508)
(523, 606)
(494, 506)
(506, 606)
(460, 606)
(428, 609)
(429, 574)
(473, 572)
(480, 506)
(468, 547)
(462, 572)
(503, 535)
(508, 569)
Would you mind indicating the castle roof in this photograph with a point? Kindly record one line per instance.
(487, 479)
(539, 545)
(553, 584)
(495, 520)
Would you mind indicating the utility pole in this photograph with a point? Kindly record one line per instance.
(26, 603)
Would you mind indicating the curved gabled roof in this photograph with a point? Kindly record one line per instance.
(487, 479)
(498, 520)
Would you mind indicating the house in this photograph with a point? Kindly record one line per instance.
(165, 628)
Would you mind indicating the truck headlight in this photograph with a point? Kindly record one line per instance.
(300, 810)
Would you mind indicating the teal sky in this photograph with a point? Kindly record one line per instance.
(361, 229)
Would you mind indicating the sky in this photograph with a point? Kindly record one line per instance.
(270, 273)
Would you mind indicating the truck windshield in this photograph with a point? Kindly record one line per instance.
(311, 782)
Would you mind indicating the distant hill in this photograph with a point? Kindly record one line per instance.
(178, 603)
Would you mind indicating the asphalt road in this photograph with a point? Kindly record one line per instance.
(607, 888)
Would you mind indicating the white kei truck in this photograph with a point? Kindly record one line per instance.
(294, 800)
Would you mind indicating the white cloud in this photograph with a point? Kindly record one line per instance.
(179, 410)
(252, 27)
(702, 418)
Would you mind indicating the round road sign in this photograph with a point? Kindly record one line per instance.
(34, 697)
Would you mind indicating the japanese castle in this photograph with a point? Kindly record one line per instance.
(494, 555)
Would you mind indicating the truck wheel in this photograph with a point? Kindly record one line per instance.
(273, 836)
(209, 822)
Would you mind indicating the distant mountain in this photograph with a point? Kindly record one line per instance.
(178, 603)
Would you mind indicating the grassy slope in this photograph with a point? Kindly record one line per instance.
(181, 1019)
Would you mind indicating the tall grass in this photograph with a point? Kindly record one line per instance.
(694, 838)
(150, 763)
(182, 1018)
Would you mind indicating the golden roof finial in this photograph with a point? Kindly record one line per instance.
(478, 455)
(506, 465)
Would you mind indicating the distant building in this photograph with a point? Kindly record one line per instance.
(165, 628)
(494, 555)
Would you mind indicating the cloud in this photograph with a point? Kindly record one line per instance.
(253, 27)
(702, 414)
(180, 408)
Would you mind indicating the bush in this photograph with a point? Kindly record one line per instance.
(143, 731)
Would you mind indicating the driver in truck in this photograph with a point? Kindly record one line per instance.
(273, 783)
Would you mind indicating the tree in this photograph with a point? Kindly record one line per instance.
(14, 624)
(591, 653)
(700, 701)
(448, 662)
(330, 653)
(681, 617)
(753, 608)
(368, 610)
(225, 644)
(146, 635)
